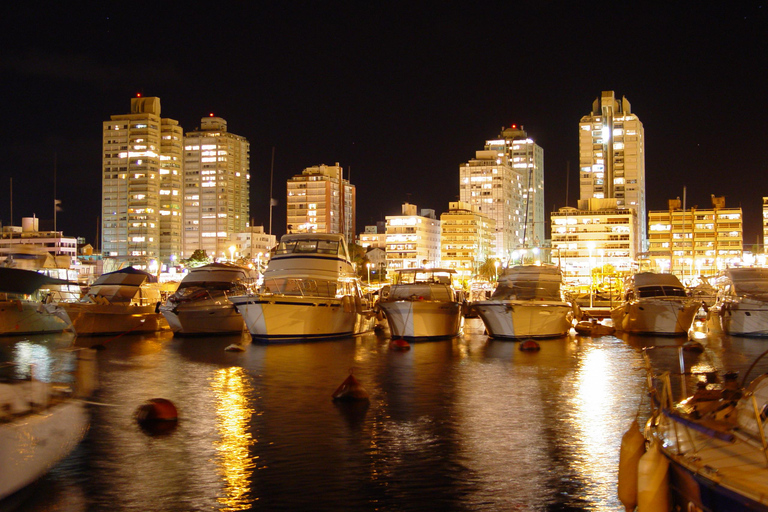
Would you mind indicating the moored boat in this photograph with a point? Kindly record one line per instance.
(41, 423)
(23, 310)
(201, 305)
(741, 308)
(527, 303)
(655, 304)
(422, 303)
(126, 300)
(713, 444)
(310, 291)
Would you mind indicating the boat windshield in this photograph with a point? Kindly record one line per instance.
(528, 290)
(309, 247)
(300, 287)
(645, 292)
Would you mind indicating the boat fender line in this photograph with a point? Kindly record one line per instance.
(632, 448)
(653, 480)
(350, 390)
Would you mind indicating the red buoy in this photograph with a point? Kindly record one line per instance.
(350, 389)
(399, 344)
(529, 345)
(157, 416)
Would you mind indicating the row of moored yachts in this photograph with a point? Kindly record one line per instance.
(310, 290)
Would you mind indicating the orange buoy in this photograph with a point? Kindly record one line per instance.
(350, 389)
(693, 346)
(157, 416)
(530, 345)
(399, 344)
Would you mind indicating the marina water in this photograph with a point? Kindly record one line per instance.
(453, 425)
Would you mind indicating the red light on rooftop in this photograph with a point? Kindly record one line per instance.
(514, 126)
(138, 95)
(211, 114)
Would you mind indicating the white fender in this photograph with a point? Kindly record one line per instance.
(652, 481)
(632, 448)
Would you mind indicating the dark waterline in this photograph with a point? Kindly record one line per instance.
(462, 424)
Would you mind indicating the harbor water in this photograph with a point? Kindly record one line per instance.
(467, 424)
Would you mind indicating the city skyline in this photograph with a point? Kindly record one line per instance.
(399, 97)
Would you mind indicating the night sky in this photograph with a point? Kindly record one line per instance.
(399, 94)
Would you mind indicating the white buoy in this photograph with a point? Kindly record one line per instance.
(653, 481)
(632, 448)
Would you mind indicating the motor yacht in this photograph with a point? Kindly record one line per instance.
(422, 303)
(24, 308)
(741, 308)
(310, 291)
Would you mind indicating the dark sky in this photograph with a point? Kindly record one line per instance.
(400, 94)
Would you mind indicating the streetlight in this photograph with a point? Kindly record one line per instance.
(496, 264)
(232, 249)
(369, 273)
(591, 247)
(258, 262)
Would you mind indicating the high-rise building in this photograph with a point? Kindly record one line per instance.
(765, 224)
(413, 239)
(467, 239)
(140, 187)
(216, 188)
(320, 200)
(612, 157)
(505, 181)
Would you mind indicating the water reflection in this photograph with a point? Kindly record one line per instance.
(232, 388)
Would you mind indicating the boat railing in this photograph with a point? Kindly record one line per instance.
(300, 287)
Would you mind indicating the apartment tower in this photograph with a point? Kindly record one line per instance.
(216, 188)
(612, 158)
(141, 172)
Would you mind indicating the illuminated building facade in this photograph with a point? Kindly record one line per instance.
(596, 234)
(467, 240)
(374, 237)
(413, 240)
(694, 241)
(612, 157)
(320, 200)
(216, 188)
(141, 165)
(505, 181)
(765, 224)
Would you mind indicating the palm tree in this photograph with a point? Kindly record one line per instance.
(488, 269)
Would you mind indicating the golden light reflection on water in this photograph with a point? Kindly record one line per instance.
(233, 416)
(595, 409)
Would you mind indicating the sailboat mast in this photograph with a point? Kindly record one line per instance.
(271, 199)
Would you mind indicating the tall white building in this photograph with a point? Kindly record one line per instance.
(505, 181)
(413, 240)
(140, 187)
(612, 158)
(216, 188)
(320, 200)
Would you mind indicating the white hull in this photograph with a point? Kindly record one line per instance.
(745, 318)
(32, 444)
(294, 318)
(423, 319)
(109, 319)
(203, 318)
(28, 317)
(525, 319)
(667, 317)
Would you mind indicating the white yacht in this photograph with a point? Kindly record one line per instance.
(310, 291)
(655, 304)
(127, 300)
(201, 304)
(527, 303)
(741, 308)
(23, 310)
(422, 304)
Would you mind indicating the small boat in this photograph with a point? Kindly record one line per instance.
(422, 304)
(310, 291)
(126, 300)
(713, 444)
(41, 422)
(741, 308)
(23, 309)
(527, 303)
(201, 305)
(655, 304)
(593, 328)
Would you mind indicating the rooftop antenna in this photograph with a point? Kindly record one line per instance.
(55, 201)
(271, 199)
